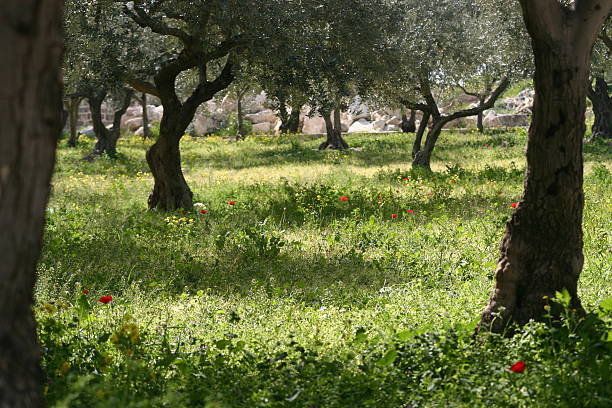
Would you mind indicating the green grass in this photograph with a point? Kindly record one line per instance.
(294, 298)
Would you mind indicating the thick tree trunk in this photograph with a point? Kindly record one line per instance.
(602, 109)
(170, 190)
(290, 121)
(408, 124)
(107, 138)
(334, 132)
(541, 252)
(30, 107)
(145, 117)
(416, 147)
(73, 117)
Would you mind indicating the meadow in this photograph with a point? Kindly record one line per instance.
(309, 279)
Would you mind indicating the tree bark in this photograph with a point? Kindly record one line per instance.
(416, 147)
(291, 123)
(30, 113)
(602, 109)
(480, 116)
(408, 124)
(73, 115)
(145, 117)
(541, 252)
(241, 131)
(334, 132)
(106, 138)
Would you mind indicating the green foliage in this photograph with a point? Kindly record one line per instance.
(231, 130)
(294, 297)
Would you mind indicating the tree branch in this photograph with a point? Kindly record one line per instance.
(157, 25)
(469, 93)
(142, 86)
(480, 108)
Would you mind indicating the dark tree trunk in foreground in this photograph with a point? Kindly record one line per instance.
(408, 124)
(291, 124)
(422, 158)
(542, 250)
(73, 116)
(146, 128)
(30, 114)
(416, 147)
(602, 109)
(334, 132)
(106, 138)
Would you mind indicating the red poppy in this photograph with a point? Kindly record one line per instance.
(232, 202)
(85, 292)
(106, 299)
(518, 367)
(393, 215)
(203, 211)
(379, 197)
(409, 211)
(452, 181)
(486, 145)
(344, 198)
(405, 179)
(184, 212)
(514, 205)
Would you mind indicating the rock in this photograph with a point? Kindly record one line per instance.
(394, 121)
(393, 128)
(314, 125)
(379, 125)
(88, 131)
(521, 103)
(506, 120)
(265, 116)
(263, 127)
(462, 123)
(155, 113)
(359, 110)
(361, 126)
(203, 125)
(140, 131)
(133, 124)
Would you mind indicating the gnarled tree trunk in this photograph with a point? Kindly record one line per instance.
(602, 109)
(541, 252)
(30, 114)
(480, 116)
(408, 124)
(416, 146)
(334, 132)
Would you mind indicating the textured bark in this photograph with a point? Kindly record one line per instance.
(30, 114)
(480, 117)
(416, 147)
(602, 109)
(106, 138)
(291, 123)
(334, 132)
(541, 252)
(73, 117)
(408, 124)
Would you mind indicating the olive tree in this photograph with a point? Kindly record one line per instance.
(598, 89)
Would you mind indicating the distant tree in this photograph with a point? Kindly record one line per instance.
(599, 86)
(541, 252)
(30, 113)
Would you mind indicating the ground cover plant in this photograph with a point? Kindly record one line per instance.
(310, 279)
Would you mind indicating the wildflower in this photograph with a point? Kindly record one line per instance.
(379, 197)
(405, 179)
(394, 216)
(514, 205)
(344, 198)
(232, 202)
(518, 367)
(409, 211)
(184, 212)
(544, 297)
(106, 299)
(547, 308)
(85, 292)
(486, 145)
(203, 211)
(452, 181)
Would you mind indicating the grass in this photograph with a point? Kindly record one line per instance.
(294, 298)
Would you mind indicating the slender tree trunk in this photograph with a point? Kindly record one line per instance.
(73, 115)
(423, 157)
(30, 107)
(602, 109)
(145, 117)
(408, 124)
(416, 147)
(240, 118)
(541, 252)
(334, 132)
(480, 116)
(115, 132)
(292, 125)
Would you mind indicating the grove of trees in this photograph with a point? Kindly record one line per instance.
(404, 54)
